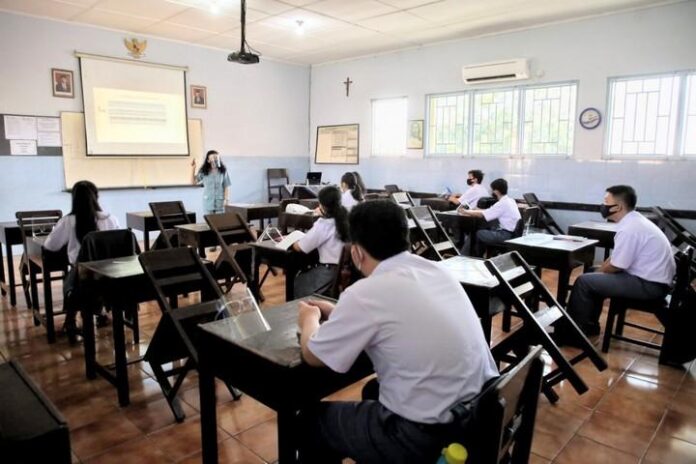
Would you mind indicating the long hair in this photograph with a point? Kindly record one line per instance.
(330, 200)
(205, 167)
(85, 206)
(355, 187)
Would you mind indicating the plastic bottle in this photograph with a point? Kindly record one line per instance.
(455, 453)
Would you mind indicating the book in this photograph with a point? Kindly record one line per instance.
(288, 240)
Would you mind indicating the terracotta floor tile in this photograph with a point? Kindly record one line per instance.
(262, 439)
(230, 451)
(684, 402)
(679, 425)
(668, 450)
(643, 390)
(589, 399)
(237, 416)
(617, 433)
(548, 444)
(581, 450)
(99, 436)
(535, 459)
(648, 368)
(181, 440)
(138, 451)
(193, 398)
(154, 415)
(636, 411)
(80, 412)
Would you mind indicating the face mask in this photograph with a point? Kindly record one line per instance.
(604, 210)
(470, 182)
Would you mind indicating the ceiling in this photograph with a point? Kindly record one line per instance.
(332, 29)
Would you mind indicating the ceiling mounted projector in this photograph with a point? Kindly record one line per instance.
(243, 56)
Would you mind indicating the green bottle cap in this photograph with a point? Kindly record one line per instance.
(455, 454)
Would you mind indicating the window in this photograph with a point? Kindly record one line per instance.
(643, 115)
(448, 124)
(389, 127)
(494, 122)
(689, 130)
(549, 120)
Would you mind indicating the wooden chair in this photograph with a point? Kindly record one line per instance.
(677, 234)
(174, 272)
(429, 237)
(32, 224)
(662, 308)
(168, 215)
(287, 222)
(233, 234)
(519, 286)
(546, 221)
(502, 425)
(274, 188)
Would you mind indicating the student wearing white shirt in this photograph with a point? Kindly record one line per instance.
(505, 211)
(86, 216)
(327, 235)
(474, 193)
(353, 192)
(641, 265)
(420, 330)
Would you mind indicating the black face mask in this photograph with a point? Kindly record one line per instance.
(470, 182)
(604, 210)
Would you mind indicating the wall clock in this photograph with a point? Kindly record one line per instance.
(590, 118)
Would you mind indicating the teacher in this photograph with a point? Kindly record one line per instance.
(216, 182)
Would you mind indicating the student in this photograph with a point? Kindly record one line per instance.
(507, 213)
(640, 267)
(417, 325)
(216, 182)
(86, 216)
(327, 235)
(358, 179)
(353, 193)
(474, 193)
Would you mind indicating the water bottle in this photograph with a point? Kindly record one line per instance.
(527, 226)
(455, 453)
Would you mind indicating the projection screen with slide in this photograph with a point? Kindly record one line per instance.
(133, 108)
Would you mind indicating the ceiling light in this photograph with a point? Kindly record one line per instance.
(300, 27)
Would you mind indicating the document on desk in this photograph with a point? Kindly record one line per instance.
(469, 271)
(289, 239)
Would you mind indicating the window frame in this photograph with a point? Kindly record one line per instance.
(372, 128)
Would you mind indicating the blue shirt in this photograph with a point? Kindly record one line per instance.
(214, 185)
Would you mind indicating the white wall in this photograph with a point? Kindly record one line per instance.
(589, 51)
(257, 116)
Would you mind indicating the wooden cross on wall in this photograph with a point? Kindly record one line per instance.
(347, 83)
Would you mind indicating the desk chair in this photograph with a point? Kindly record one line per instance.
(233, 234)
(545, 221)
(174, 272)
(677, 234)
(520, 285)
(529, 216)
(430, 238)
(502, 424)
(32, 224)
(671, 312)
(275, 188)
(168, 215)
(402, 199)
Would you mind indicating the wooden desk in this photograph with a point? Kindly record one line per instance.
(197, 236)
(10, 235)
(463, 224)
(44, 261)
(121, 281)
(145, 222)
(290, 261)
(254, 211)
(269, 368)
(603, 232)
(550, 252)
(480, 286)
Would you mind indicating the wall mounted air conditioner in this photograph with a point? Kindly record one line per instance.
(496, 71)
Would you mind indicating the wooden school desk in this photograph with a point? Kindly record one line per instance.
(145, 222)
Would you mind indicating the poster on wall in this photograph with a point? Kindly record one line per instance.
(337, 144)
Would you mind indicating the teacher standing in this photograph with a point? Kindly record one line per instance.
(216, 182)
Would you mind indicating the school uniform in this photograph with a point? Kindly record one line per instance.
(472, 195)
(322, 237)
(420, 330)
(64, 234)
(214, 184)
(347, 200)
(643, 253)
(506, 213)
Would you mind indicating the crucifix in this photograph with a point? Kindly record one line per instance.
(347, 83)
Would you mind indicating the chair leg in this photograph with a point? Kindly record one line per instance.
(507, 318)
(621, 321)
(169, 390)
(609, 329)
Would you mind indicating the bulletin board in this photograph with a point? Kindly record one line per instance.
(27, 135)
(122, 172)
(337, 144)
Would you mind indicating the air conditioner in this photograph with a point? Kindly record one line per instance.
(496, 71)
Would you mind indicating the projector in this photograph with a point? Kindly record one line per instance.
(243, 57)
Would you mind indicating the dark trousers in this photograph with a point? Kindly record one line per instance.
(315, 280)
(485, 237)
(590, 290)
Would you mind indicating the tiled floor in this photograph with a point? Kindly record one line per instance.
(635, 411)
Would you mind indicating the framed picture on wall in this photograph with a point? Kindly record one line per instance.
(337, 144)
(62, 83)
(415, 134)
(199, 97)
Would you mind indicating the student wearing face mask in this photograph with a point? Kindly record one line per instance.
(216, 182)
(641, 265)
(474, 193)
(505, 211)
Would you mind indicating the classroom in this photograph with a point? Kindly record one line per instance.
(350, 231)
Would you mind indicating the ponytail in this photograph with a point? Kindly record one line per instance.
(330, 200)
(355, 185)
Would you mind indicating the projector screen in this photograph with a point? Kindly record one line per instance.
(133, 109)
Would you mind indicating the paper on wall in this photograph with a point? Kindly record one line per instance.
(23, 147)
(20, 127)
(47, 125)
(49, 139)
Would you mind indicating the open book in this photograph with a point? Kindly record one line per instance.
(282, 242)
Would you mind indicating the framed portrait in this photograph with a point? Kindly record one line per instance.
(415, 134)
(199, 97)
(62, 83)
